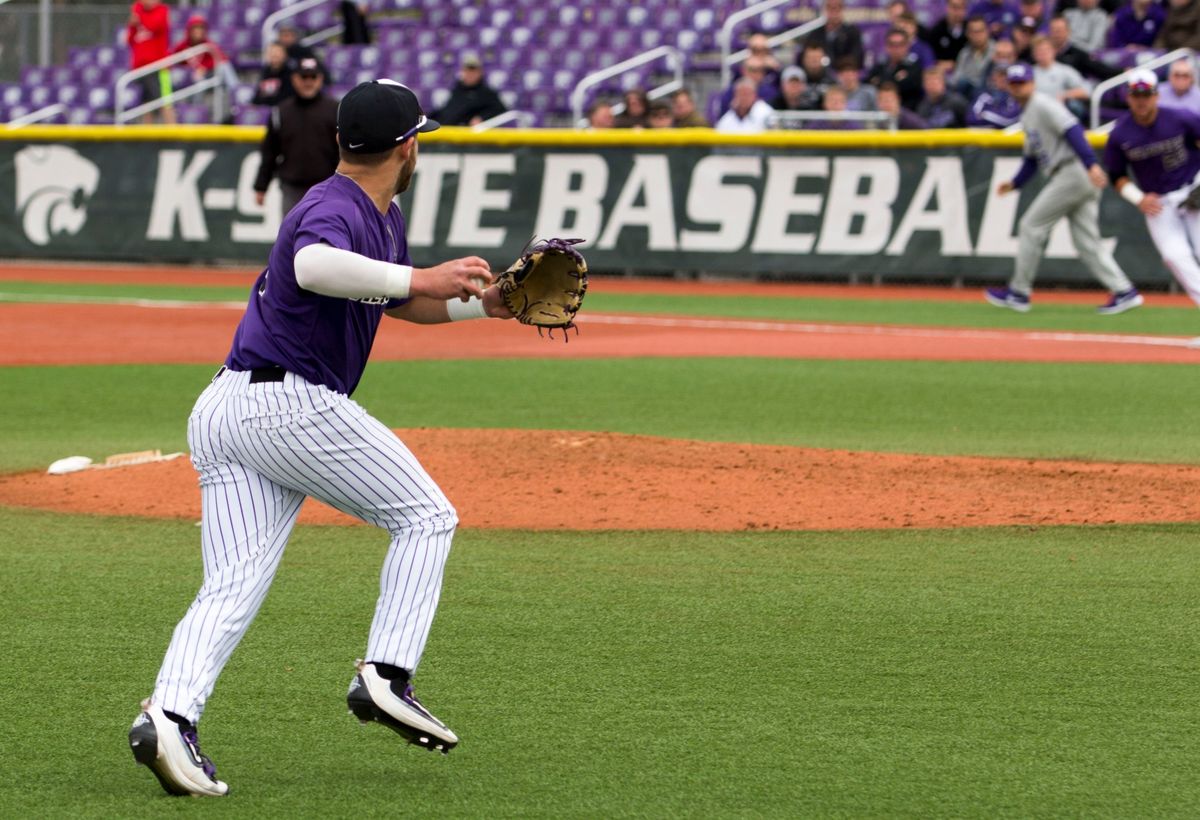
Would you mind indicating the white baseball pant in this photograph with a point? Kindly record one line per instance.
(1176, 234)
(260, 450)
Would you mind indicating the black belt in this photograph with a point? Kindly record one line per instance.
(260, 374)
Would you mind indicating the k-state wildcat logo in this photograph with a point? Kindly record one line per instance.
(54, 184)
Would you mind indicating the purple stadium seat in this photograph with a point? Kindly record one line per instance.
(66, 94)
(251, 115)
(11, 94)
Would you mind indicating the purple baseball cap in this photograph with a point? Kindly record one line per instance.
(1020, 73)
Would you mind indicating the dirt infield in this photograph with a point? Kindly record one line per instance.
(631, 482)
(609, 481)
(35, 334)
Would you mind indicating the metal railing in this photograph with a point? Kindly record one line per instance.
(121, 116)
(784, 119)
(41, 115)
(1109, 84)
(524, 118)
(674, 59)
(270, 26)
(725, 36)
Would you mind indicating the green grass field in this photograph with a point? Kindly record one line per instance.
(1008, 671)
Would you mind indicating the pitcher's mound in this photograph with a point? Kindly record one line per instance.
(502, 478)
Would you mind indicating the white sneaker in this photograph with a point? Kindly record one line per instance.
(392, 703)
(172, 752)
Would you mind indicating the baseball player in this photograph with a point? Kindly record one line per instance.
(277, 425)
(1161, 147)
(1055, 144)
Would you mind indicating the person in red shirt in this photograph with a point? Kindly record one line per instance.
(148, 36)
(209, 63)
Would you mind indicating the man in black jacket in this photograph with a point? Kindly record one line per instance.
(300, 146)
(471, 100)
(1069, 54)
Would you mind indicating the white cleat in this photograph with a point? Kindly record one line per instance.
(374, 698)
(172, 752)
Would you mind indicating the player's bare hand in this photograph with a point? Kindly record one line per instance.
(1097, 176)
(1151, 204)
(1005, 187)
(494, 304)
(456, 279)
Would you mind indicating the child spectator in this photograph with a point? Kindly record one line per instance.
(940, 107)
(274, 80)
(888, 100)
(859, 97)
(659, 115)
(636, 108)
(208, 64)
(683, 109)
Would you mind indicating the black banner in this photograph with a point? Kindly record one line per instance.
(899, 213)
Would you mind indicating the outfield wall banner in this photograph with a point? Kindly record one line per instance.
(896, 212)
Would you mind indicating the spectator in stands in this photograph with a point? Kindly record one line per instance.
(859, 97)
(747, 114)
(683, 108)
(275, 80)
(752, 68)
(814, 62)
(1180, 89)
(838, 38)
(471, 100)
(888, 100)
(1089, 25)
(636, 109)
(916, 46)
(1057, 80)
(659, 115)
(1022, 36)
(995, 107)
(759, 46)
(289, 37)
(208, 64)
(1136, 25)
(300, 146)
(355, 28)
(1181, 28)
(898, 8)
(899, 67)
(148, 36)
(835, 102)
(1069, 54)
(1001, 15)
(949, 35)
(971, 67)
(600, 115)
(795, 92)
(1003, 53)
(1036, 10)
(940, 107)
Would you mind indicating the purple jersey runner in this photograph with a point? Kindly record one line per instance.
(325, 339)
(1163, 157)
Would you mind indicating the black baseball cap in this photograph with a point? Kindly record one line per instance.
(377, 116)
(309, 67)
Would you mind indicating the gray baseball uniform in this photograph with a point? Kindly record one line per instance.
(1068, 192)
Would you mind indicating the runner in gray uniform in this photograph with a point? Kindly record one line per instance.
(1055, 144)
(277, 425)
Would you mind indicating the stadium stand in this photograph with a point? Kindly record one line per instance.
(533, 52)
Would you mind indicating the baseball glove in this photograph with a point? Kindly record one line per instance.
(545, 287)
(1192, 202)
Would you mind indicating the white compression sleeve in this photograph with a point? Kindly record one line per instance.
(335, 272)
(1132, 193)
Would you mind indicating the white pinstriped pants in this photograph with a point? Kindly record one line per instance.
(260, 450)
(1176, 233)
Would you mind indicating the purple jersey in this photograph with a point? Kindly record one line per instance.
(1128, 30)
(325, 339)
(1163, 157)
(1000, 17)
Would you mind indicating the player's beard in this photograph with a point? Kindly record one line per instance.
(405, 175)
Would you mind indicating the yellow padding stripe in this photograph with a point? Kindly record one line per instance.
(555, 137)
